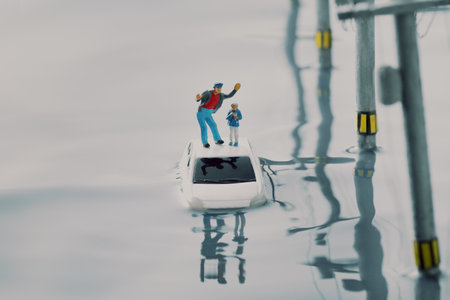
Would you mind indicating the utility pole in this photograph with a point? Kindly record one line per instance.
(426, 245)
(426, 249)
(365, 96)
(366, 116)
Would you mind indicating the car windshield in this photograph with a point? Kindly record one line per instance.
(224, 170)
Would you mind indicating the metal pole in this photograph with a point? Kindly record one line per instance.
(426, 245)
(365, 65)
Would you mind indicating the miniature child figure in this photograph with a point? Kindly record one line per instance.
(210, 102)
(233, 117)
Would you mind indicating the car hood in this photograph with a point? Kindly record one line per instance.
(231, 191)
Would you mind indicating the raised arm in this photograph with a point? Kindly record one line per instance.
(237, 86)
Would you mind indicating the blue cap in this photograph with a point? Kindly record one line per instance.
(218, 85)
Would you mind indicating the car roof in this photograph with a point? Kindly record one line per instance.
(198, 151)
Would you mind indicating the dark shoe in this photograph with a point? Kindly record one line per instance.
(206, 145)
(219, 142)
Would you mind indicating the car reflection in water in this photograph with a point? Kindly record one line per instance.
(216, 252)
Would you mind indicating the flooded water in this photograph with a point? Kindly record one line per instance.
(98, 103)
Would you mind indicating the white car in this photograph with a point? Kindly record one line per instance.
(221, 176)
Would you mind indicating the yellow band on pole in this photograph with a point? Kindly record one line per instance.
(417, 254)
(426, 254)
(327, 39)
(366, 123)
(435, 248)
(373, 124)
(363, 124)
(319, 39)
(323, 39)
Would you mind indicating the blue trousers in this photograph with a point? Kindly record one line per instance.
(205, 117)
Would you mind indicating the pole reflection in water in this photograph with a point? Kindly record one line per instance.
(214, 251)
(291, 39)
(367, 237)
(321, 158)
(323, 143)
(299, 163)
(326, 267)
(428, 287)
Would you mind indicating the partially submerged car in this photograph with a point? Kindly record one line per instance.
(221, 177)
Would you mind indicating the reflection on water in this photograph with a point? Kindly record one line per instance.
(321, 158)
(216, 253)
(428, 287)
(291, 38)
(367, 237)
(327, 268)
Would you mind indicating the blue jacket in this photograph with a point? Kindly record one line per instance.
(206, 96)
(231, 120)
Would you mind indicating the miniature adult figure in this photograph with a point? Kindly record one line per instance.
(210, 102)
(233, 117)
